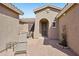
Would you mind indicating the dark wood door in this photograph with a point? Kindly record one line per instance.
(44, 29)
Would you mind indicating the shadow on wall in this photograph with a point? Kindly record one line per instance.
(55, 44)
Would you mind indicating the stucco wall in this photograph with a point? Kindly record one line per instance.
(23, 27)
(9, 30)
(50, 16)
(71, 20)
(7, 11)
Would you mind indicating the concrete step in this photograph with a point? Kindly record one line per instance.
(8, 52)
(20, 53)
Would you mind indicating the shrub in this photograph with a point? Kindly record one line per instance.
(64, 40)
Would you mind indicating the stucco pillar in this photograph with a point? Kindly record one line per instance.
(36, 32)
(49, 29)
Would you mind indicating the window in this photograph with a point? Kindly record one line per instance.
(54, 24)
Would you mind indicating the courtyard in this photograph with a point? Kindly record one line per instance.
(39, 35)
(45, 47)
(41, 47)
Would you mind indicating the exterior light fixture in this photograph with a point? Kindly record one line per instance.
(47, 10)
(64, 14)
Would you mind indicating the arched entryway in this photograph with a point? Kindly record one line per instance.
(44, 24)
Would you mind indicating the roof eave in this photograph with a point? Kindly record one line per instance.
(40, 8)
(14, 8)
(65, 9)
(28, 20)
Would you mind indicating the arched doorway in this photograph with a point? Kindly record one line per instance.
(44, 24)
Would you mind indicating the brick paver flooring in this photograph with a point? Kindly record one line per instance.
(42, 47)
(39, 47)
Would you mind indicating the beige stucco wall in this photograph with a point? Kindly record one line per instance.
(71, 20)
(23, 27)
(50, 17)
(9, 30)
(8, 12)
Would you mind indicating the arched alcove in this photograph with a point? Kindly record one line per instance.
(43, 27)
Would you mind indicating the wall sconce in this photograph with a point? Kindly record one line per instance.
(64, 14)
(47, 10)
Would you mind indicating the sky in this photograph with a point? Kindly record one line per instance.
(28, 8)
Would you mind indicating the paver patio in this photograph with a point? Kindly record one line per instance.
(42, 47)
(39, 47)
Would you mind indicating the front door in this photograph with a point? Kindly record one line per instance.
(44, 29)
